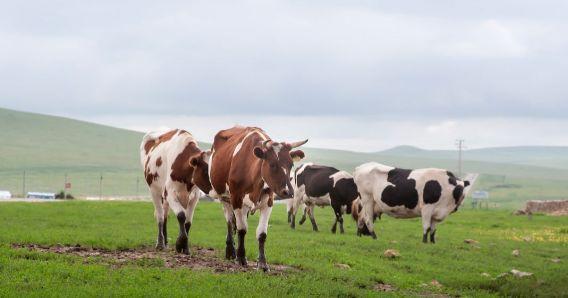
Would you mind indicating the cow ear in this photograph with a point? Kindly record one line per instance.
(297, 155)
(194, 161)
(466, 183)
(258, 152)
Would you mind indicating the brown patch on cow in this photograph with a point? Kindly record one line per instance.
(151, 144)
(150, 177)
(159, 161)
(201, 258)
(181, 169)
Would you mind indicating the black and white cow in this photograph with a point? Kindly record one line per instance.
(429, 193)
(316, 185)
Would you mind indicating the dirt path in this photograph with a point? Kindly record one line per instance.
(200, 258)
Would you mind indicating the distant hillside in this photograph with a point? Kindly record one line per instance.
(542, 156)
(47, 148)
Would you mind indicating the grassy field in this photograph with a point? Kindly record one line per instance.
(456, 265)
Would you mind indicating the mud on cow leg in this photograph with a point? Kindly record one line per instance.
(303, 219)
(230, 252)
(160, 242)
(425, 236)
(292, 221)
(182, 243)
(261, 257)
(432, 236)
(312, 218)
(165, 231)
(241, 255)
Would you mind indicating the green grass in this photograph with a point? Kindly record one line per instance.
(114, 225)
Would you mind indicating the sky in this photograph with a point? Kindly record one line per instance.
(358, 75)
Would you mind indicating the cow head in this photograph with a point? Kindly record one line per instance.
(277, 161)
(459, 193)
(359, 217)
(199, 163)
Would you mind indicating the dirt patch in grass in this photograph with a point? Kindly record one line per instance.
(200, 258)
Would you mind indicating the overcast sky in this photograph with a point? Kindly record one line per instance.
(358, 75)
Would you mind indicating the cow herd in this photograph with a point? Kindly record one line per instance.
(246, 171)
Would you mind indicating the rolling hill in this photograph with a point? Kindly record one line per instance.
(47, 148)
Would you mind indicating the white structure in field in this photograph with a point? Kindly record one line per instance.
(40, 195)
(4, 194)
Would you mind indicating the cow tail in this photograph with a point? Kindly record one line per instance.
(355, 207)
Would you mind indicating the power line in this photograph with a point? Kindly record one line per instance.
(460, 145)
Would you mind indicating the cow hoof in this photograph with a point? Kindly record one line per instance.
(230, 253)
(262, 266)
(242, 261)
(160, 247)
(182, 246)
(301, 222)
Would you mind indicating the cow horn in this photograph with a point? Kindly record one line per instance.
(298, 144)
(265, 144)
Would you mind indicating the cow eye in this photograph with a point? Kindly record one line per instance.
(272, 166)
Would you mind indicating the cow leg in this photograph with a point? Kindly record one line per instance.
(166, 213)
(193, 200)
(303, 219)
(366, 225)
(289, 208)
(230, 252)
(433, 231)
(159, 215)
(182, 242)
(340, 219)
(334, 227)
(261, 231)
(425, 226)
(426, 221)
(312, 218)
(241, 217)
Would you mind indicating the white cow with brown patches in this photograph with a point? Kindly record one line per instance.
(175, 169)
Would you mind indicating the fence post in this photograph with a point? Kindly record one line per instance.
(65, 187)
(24, 185)
(101, 187)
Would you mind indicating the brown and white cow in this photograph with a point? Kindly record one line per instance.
(246, 169)
(175, 169)
(431, 194)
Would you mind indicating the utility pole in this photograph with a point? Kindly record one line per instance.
(24, 185)
(137, 185)
(461, 146)
(65, 187)
(101, 187)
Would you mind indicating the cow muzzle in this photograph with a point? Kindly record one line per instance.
(285, 193)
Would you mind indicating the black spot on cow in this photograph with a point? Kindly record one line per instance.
(452, 178)
(432, 192)
(458, 192)
(403, 192)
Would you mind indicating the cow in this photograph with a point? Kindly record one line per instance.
(316, 185)
(246, 169)
(175, 169)
(431, 194)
